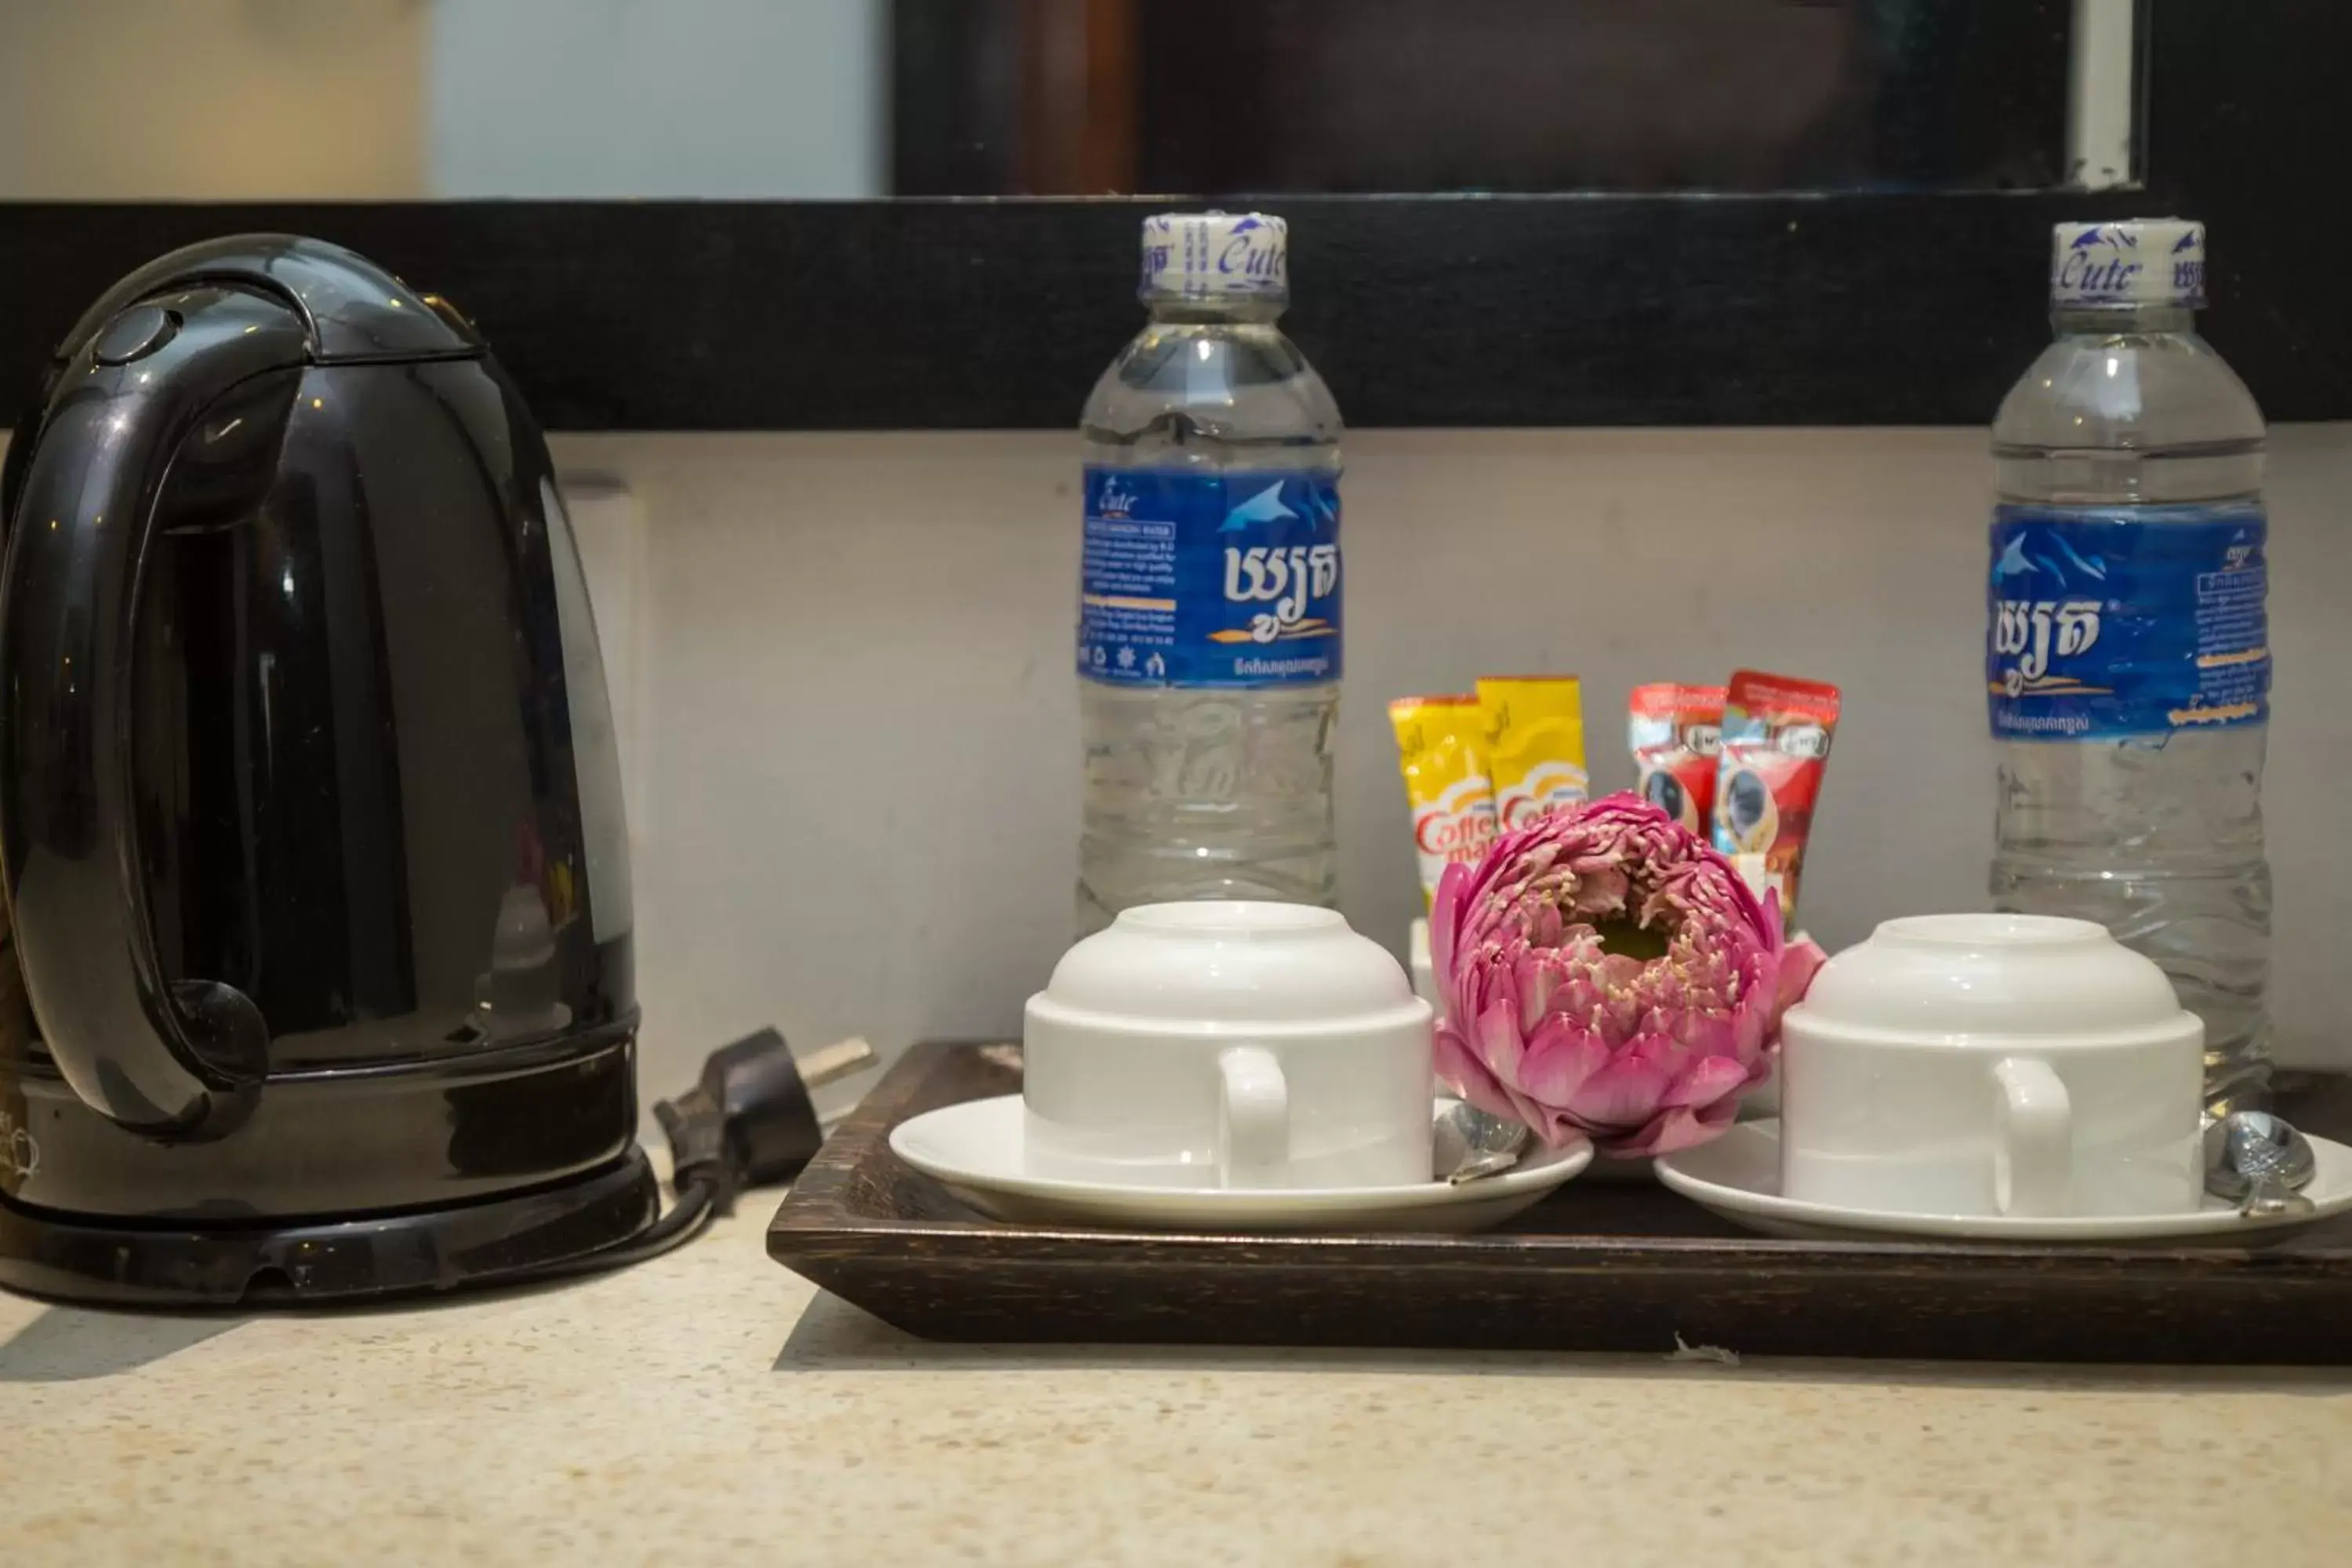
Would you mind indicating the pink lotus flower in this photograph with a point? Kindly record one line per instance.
(1607, 972)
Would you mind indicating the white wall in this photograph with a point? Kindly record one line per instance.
(842, 682)
(855, 803)
(659, 97)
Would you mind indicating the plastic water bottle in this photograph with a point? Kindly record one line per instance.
(2128, 654)
(1209, 624)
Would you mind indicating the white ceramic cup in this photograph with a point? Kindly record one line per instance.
(1228, 1044)
(1992, 1065)
(1417, 960)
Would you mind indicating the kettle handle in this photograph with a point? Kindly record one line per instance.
(184, 1061)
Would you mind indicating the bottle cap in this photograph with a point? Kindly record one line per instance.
(1215, 256)
(2135, 261)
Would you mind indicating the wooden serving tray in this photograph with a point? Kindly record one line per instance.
(1598, 1266)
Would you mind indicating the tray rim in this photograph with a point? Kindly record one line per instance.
(815, 1223)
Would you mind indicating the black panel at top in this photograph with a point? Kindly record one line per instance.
(1854, 307)
(1012, 97)
(1419, 312)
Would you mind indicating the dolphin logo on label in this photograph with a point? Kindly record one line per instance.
(2091, 566)
(1264, 507)
(2092, 237)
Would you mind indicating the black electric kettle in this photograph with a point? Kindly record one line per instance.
(309, 809)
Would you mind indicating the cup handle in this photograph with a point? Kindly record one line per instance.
(1252, 1119)
(2033, 1156)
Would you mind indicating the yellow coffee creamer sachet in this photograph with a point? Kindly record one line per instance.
(1535, 745)
(1441, 747)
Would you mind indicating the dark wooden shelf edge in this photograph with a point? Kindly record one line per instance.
(1422, 310)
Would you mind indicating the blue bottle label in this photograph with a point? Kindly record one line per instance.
(1227, 579)
(2115, 621)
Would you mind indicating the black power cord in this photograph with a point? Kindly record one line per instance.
(747, 1124)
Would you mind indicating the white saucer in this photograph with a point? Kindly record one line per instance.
(1738, 1177)
(975, 1151)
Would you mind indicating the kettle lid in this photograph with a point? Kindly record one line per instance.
(352, 307)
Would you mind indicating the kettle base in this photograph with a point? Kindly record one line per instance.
(70, 1258)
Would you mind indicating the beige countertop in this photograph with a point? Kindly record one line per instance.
(710, 1406)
